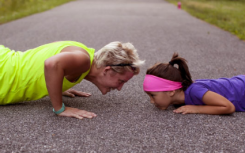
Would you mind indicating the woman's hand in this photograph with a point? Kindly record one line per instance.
(77, 113)
(187, 109)
(72, 93)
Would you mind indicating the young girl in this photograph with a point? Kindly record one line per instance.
(166, 85)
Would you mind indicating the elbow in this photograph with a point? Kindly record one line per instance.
(231, 109)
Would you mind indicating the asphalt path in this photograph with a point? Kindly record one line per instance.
(126, 120)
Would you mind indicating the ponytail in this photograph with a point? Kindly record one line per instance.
(183, 68)
(169, 72)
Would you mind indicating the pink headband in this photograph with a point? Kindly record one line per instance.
(154, 83)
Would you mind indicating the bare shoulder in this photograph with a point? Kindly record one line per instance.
(78, 53)
(74, 57)
(72, 49)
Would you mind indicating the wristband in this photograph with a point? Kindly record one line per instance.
(61, 110)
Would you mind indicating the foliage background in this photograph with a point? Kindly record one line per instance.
(14, 9)
(226, 14)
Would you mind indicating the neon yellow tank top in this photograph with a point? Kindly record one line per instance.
(22, 73)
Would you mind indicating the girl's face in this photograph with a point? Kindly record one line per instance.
(161, 99)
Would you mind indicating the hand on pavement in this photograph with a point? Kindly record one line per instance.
(72, 93)
(187, 109)
(77, 113)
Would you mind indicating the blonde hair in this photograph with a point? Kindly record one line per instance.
(116, 53)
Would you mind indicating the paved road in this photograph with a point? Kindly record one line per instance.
(126, 121)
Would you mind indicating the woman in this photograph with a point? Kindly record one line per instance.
(53, 68)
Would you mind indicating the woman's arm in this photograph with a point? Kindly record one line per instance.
(54, 74)
(56, 68)
(215, 105)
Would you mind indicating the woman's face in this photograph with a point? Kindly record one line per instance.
(160, 99)
(112, 80)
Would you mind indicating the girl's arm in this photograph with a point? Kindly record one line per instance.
(215, 105)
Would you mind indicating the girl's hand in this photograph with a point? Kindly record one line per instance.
(187, 109)
(72, 93)
(77, 113)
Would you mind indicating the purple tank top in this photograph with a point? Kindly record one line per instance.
(231, 88)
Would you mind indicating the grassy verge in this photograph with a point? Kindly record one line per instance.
(15, 9)
(226, 14)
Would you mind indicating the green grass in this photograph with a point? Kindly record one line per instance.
(15, 9)
(226, 14)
